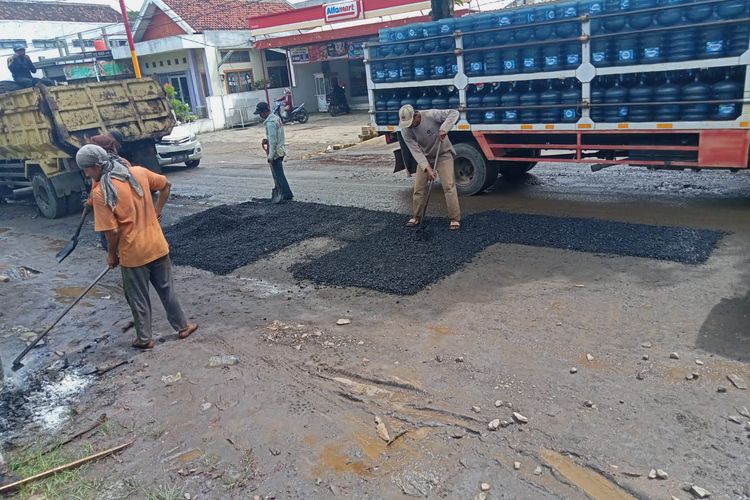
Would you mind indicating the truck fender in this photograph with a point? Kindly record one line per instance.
(403, 157)
(67, 183)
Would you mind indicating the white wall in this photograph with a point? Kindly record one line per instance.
(236, 109)
(35, 30)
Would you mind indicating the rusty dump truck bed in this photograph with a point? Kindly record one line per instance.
(48, 123)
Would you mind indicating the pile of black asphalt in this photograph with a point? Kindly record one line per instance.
(379, 253)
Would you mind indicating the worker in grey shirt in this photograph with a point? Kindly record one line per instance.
(426, 135)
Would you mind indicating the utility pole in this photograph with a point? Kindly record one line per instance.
(441, 9)
(131, 43)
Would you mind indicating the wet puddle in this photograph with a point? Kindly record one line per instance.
(593, 484)
(68, 294)
(18, 272)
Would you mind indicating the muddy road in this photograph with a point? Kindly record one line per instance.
(596, 366)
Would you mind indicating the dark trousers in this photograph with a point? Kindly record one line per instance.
(30, 82)
(279, 179)
(135, 282)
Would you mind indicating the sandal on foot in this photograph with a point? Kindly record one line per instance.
(145, 346)
(185, 332)
(455, 225)
(412, 222)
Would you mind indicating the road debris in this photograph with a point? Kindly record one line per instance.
(574, 370)
(476, 409)
(589, 404)
(171, 379)
(652, 474)
(382, 430)
(460, 359)
(206, 406)
(343, 321)
(734, 419)
(520, 418)
(742, 410)
(692, 376)
(484, 487)
(538, 470)
(646, 345)
(517, 465)
(660, 474)
(674, 355)
(494, 424)
(589, 357)
(498, 403)
(721, 389)
(699, 362)
(700, 492)
(222, 360)
(645, 357)
(737, 381)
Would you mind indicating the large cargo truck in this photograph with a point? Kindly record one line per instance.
(41, 128)
(662, 84)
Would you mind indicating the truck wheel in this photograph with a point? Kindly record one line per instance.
(50, 205)
(192, 164)
(74, 203)
(473, 173)
(517, 169)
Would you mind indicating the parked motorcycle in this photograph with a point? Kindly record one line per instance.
(337, 103)
(298, 114)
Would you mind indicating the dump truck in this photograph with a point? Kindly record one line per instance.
(662, 84)
(41, 128)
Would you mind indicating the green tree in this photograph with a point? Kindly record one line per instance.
(182, 111)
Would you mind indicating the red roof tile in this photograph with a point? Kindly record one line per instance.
(204, 15)
(58, 11)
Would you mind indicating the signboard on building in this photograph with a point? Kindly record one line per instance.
(346, 10)
(299, 55)
(92, 70)
(327, 52)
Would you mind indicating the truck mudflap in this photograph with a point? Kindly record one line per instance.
(403, 157)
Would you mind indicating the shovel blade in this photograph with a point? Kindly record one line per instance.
(67, 250)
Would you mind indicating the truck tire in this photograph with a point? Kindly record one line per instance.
(50, 205)
(517, 169)
(473, 173)
(74, 202)
(192, 164)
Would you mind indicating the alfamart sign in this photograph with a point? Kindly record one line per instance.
(342, 11)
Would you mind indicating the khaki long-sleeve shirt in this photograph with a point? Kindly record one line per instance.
(422, 139)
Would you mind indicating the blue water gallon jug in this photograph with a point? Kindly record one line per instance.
(407, 71)
(617, 95)
(681, 45)
(392, 72)
(409, 99)
(429, 33)
(421, 68)
(398, 49)
(714, 43)
(445, 30)
(601, 52)
(652, 48)
(384, 35)
(381, 102)
(451, 66)
(474, 64)
(415, 31)
(392, 105)
(511, 61)
(550, 96)
(424, 101)
(699, 13)
(474, 100)
(493, 62)
(568, 10)
(439, 102)
(491, 100)
(531, 59)
(551, 60)
(503, 34)
(571, 95)
(545, 14)
(670, 17)
(598, 90)
(696, 91)
(485, 23)
(382, 51)
(616, 23)
(454, 101)
(571, 55)
(626, 49)
(510, 100)
(642, 92)
(526, 15)
(465, 25)
(438, 68)
(641, 20)
(529, 97)
(667, 92)
(593, 8)
(738, 39)
(378, 72)
(729, 90)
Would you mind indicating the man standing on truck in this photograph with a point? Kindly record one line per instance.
(125, 211)
(275, 144)
(21, 68)
(426, 135)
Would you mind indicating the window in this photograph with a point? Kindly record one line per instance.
(145, 64)
(161, 64)
(278, 76)
(184, 60)
(44, 44)
(272, 55)
(169, 62)
(118, 43)
(238, 56)
(9, 43)
(239, 81)
(176, 61)
(87, 43)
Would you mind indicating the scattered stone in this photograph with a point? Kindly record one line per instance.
(318, 482)
(517, 465)
(538, 470)
(747, 426)
(646, 345)
(171, 379)
(460, 359)
(674, 498)
(494, 424)
(743, 411)
(674, 355)
(458, 433)
(509, 404)
(274, 451)
(223, 360)
(721, 389)
(59, 353)
(382, 430)
(476, 409)
(498, 403)
(652, 474)
(480, 496)
(699, 362)
(588, 403)
(574, 370)
(737, 381)
(640, 376)
(632, 473)
(334, 490)
(4, 278)
(734, 419)
(343, 321)
(589, 357)
(520, 418)
(692, 376)
(700, 492)
(206, 406)
(187, 496)
(439, 358)
(660, 474)
(504, 423)
(484, 487)
(645, 357)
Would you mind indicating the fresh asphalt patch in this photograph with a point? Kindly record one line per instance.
(381, 254)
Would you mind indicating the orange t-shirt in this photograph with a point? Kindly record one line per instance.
(141, 238)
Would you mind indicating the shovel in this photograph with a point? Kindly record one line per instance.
(71, 245)
(422, 225)
(17, 365)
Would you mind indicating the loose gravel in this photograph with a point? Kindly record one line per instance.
(383, 255)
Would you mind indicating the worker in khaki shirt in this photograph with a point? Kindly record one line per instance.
(124, 210)
(426, 135)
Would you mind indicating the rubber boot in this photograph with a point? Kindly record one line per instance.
(276, 196)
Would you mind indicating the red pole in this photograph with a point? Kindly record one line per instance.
(263, 66)
(131, 43)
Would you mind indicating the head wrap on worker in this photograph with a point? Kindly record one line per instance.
(109, 144)
(90, 155)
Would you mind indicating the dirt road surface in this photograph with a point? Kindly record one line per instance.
(595, 367)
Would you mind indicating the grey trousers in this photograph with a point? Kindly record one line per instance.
(135, 282)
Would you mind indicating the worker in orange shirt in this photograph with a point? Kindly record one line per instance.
(125, 211)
